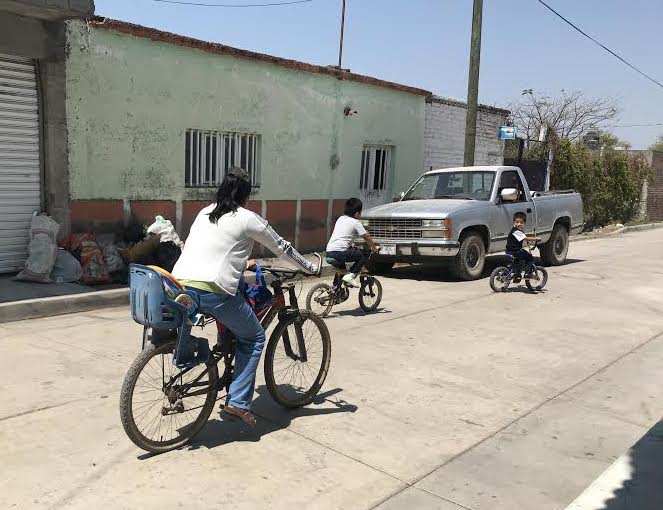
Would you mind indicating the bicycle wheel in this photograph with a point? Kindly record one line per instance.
(539, 281)
(292, 382)
(162, 407)
(320, 299)
(370, 294)
(499, 280)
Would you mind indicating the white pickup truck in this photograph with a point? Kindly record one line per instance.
(465, 213)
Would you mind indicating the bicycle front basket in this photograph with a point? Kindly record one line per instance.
(150, 304)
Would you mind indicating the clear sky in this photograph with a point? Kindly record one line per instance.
(425, 43)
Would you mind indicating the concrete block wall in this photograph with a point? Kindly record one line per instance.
(444, 135)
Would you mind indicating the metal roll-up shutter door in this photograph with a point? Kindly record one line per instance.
(20, 174)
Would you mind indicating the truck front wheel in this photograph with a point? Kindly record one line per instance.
(555, 250)
(469, 262)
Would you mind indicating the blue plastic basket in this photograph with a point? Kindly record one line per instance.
(150, 303)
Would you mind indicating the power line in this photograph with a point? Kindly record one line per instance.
(199, 4)
(633, 125)
(600, 44)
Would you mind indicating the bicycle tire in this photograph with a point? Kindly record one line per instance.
(324, 309)
(126, 398)
(274, 341)
(543, 280)
(493, 276)
(363, 291)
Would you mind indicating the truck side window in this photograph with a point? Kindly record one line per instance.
(511, 179)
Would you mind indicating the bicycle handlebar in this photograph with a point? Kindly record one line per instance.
(291, 273)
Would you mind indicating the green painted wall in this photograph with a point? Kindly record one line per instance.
(130, 101)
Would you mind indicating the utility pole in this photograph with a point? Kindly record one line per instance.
(340, 46)
(473, 84)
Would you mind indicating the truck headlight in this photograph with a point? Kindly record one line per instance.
(365, 222)
(432, 223)
(427, 234)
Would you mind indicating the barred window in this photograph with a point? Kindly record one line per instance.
(375, 163)
(209, 154)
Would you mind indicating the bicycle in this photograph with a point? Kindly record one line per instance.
(535, 276)
(323, 297)
(162, 408)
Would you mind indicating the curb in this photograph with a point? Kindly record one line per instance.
(60, 305)
(72, 303)
(623, 230)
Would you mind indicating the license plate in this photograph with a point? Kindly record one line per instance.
(387, 249)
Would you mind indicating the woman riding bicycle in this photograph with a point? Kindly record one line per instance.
(213, 260)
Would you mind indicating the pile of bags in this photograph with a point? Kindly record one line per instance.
(81, 258)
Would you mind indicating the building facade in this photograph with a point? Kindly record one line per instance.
(155, 119)
(103, 121)
(33, 134)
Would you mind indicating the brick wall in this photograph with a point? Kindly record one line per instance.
(444, 135)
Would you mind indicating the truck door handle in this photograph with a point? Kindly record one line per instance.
(529, 209)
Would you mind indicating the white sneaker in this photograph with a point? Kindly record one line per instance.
(352, 280)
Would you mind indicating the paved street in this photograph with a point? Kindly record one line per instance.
(451, 397)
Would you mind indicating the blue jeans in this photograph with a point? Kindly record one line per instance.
(237, 315)
(353, 254)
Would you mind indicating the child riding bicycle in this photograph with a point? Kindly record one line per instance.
(341, 247)
(514, 243)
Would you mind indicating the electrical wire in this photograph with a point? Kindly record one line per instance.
(614, 54)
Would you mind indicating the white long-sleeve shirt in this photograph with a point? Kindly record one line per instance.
(218, 252)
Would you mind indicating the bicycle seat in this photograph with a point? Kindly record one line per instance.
(335, 263)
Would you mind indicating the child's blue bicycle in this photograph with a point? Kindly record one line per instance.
(535, 276)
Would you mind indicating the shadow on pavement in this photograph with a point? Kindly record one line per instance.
(644, 489)
(270, 418)
(358, 312)
(442, 272)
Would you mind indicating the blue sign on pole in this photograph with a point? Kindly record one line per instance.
(507, 133)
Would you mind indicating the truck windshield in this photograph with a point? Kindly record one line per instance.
(455, 185)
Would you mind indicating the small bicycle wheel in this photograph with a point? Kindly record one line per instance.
(162, 407)
(370, 294)
(499, 280)
(539, 280)
(292, 379)
(320, 299)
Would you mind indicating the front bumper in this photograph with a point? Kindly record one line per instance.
(418, 247)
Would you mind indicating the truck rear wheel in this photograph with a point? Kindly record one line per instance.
(469, 262)
(555, 250)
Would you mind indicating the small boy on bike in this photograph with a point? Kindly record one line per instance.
(341, 244)
(514, 243)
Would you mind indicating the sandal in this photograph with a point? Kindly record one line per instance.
(244, 414)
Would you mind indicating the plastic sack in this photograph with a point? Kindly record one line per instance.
(85, 248)
(66, 269)
(166, 230)
(112, 257)
(41, 250)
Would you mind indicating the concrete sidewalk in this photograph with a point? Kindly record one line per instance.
(633, 482)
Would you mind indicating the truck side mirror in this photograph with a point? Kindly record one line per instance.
(509, 195)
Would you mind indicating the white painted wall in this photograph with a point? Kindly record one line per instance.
(444, 135)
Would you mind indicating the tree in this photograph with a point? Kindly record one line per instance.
(658, 144)
(605, 140)
(570, 115)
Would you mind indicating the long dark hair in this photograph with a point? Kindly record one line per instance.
(233, 192)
